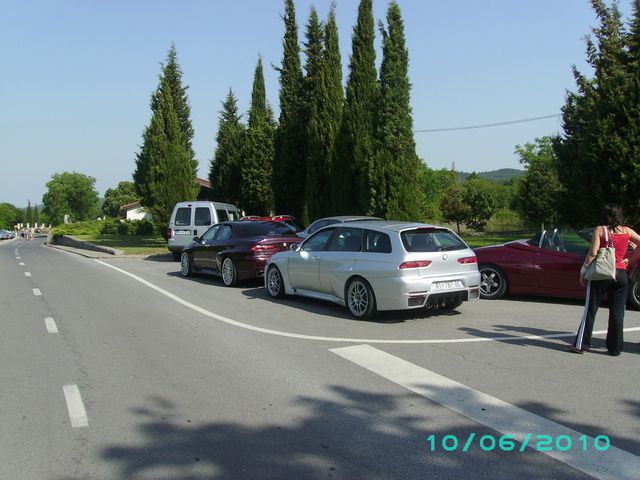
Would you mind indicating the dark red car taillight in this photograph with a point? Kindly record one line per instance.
(468, 260)
(169, 233)
(262, 249)
(418, 264)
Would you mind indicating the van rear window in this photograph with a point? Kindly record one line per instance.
(431, 240)
(183, 217)
(203, 217)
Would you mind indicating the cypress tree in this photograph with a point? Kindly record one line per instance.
(332, 69)
(225, 173)
(289, 167)
(171, 173)
(36, 215)
(256, 190)
(170, 89)
(395, 171)
(352, 189)
(28, 216)
(316, 99)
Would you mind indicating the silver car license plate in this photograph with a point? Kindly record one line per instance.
(182, 232)
(437, 286)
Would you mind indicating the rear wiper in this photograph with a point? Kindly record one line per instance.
(447, 248)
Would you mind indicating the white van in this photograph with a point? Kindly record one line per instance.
(192, 219)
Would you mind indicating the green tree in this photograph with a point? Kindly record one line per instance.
(599, 152)
(165, 169)
(452, 202)
(394, 175)
(333, 105)
(540, 189)
(114, 198)
(36, 215)
(317, 131)
(257, 193)
(167, 140)
(73, 194)
(434, 184)
(480, 196)
(351, 183)
(28, 215)
(225, 173)
(9, 215)
(290, 163)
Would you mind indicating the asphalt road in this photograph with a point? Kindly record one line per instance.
(121, 369)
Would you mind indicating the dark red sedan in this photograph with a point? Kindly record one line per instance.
(236, 251)
(547, 265)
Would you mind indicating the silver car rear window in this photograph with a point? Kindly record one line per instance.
(431, 240)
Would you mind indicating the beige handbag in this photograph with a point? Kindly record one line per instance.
(603, 266)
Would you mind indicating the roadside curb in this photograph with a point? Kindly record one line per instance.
(94, 254)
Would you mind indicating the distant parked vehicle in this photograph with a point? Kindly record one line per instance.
(378, 265)
(191, 219)
(236, 251)
(323, 222)
(6, 235)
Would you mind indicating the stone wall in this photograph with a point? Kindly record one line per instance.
(69, 241)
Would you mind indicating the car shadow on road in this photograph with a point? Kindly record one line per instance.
(341, 432)
(161, 257)
(322, 307)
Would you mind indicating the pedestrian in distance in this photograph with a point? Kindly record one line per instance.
(612, 231)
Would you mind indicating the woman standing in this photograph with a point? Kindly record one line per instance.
(612, 230)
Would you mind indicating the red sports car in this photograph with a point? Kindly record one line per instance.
(547, 264)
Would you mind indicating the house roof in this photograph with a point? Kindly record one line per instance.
(131, 206)
(203, 183)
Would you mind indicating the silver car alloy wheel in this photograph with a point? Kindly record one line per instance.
(185, 264)
(358, 298)
(228, 271)
(490, 282)
(273, 281)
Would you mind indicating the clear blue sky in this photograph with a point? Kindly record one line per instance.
(77, 76)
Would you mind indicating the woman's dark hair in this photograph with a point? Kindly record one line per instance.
(612, 215)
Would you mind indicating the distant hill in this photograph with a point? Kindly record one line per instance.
(499, 176)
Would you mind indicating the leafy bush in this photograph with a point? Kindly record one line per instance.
(144, 227)
(109, 227)
(92, 227)
(505, 220)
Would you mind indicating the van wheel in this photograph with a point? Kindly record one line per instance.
(360, 299)
(229, 273)
(176, 256)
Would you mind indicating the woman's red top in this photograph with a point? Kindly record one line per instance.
(621, 244)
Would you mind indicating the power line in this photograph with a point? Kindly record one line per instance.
(486, 125)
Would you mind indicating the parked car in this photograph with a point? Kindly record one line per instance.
(6, 235)
(378, 265)
(191, 219)
(548, 264)
(323, 222)
(288, 220)
(236, 251)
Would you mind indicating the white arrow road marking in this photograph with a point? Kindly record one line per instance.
(614, 463)
(51, 325)
(77, 413)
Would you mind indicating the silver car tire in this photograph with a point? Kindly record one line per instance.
(274, 282)
(360, 298)
(185, 265)
(229, 273)
(493, 282)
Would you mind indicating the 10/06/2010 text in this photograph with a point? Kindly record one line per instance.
(508, 443)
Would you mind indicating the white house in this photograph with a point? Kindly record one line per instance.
(135, 211)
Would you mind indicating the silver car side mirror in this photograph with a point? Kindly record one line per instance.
(294, 246)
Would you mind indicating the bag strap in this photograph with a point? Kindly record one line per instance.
(607, 238)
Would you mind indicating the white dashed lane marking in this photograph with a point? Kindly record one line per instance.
(37, 292)
(51, 325)
(21, 264)
(77, 413)
(614, 463)
(27, 274)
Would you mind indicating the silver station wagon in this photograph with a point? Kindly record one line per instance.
(371, 266)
